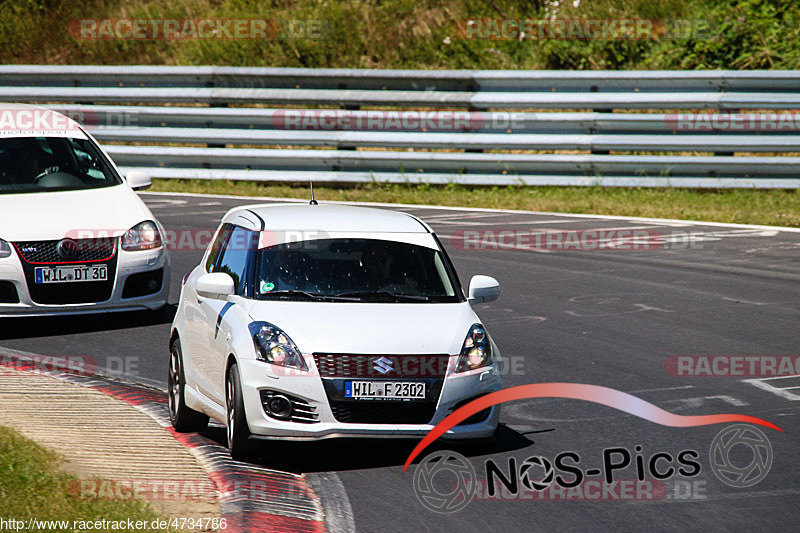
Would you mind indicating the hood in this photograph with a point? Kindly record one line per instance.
(370, 328)
(55, 215)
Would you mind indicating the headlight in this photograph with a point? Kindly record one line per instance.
(274, 346)
(476, 351)
(143, 236)
(5, 249)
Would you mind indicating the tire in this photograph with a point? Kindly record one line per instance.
(238, 431)
(183, 418)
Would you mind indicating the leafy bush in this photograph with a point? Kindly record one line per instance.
(741, 34)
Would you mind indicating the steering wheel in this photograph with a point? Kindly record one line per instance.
(45, 172)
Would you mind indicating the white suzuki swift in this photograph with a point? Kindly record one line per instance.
(314, 321)
(74, 236)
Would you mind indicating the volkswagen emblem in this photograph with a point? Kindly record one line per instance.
(68, 249)
(384, 365)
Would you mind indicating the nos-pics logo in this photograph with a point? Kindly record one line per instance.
(445, 481)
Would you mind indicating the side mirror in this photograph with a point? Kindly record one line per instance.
(483, 289)
(138, 180)
(217, 286)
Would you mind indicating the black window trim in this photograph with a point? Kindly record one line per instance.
(246, 285)
(228, 228)
(451, 270)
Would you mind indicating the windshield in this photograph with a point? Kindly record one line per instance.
(39, 164)
(354, 270)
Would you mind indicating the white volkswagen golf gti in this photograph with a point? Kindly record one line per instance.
(313, 321)
(74, 236)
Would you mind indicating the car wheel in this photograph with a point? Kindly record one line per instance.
(183, 418)
(238, 430)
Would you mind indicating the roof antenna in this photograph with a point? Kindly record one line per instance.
(313, 201)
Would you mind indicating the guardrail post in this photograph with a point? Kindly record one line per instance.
(473, 150)
(730, 112)
(348, 107)
(217, 104)
(595, 89)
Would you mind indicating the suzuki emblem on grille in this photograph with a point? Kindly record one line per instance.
(383, 365)
(68, 249)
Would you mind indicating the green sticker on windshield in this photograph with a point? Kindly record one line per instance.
(266, 286)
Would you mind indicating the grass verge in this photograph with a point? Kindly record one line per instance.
(32, 486)
(742, 206)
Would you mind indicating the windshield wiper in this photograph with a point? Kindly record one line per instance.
(308, 295)
(386, 294)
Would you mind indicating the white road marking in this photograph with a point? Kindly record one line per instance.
(784, 377)
(164, 203)
(702, 236)
(460, 222)
(192, 213)
(762, 384)
(662, 389)
(639, 309)
(745, 301)
(530, 319)
(457, 215)
(690, 403)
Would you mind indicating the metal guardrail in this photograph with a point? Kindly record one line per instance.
(466, 141)
(614, 148)
(416, 164)
(384, 79)
(450, 99)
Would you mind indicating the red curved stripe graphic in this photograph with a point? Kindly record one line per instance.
(579, 391)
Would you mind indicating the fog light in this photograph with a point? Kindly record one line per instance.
(279, 406)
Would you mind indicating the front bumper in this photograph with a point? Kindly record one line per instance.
(128, 264)
(256, 376)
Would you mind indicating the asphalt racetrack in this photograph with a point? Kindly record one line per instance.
(609, 317)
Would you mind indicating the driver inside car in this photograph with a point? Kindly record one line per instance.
(294, 272)
(30, 160)
(377, 261)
